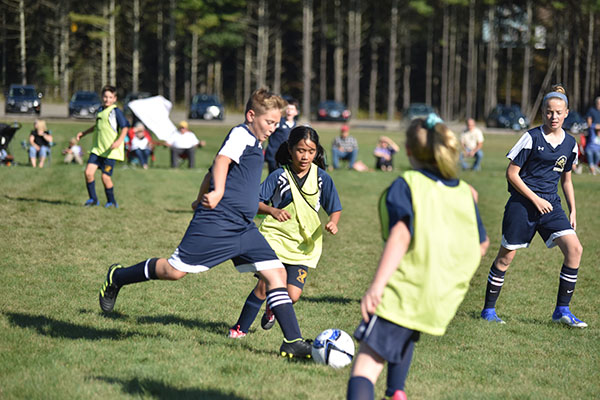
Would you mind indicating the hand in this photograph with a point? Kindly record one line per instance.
(573, 220)
(79, 136)
(331, 227)
(195, 204)
(211, 199)
(543, 206)
(116, 144)
(369, 302)
(280, 215)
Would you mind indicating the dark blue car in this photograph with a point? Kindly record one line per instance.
(84, 104)
(206, 106)
(23, 99)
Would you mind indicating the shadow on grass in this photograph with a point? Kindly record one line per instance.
(45, 201)
(180, 211)
(209, 326)
(149, 388)
(60, 329)
(329, 299)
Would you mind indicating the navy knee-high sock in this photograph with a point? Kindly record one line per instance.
(140, 272)
(397, 372)
(110, 195)
(566, 286)
(249, 312)
(494, 285)
(360, 388)
(91, 188)
(280, 303)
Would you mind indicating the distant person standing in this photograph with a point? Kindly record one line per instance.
(281, 134)
(344, 147)
(471, 141)
(183, 144)
(40, 141)
(107, 146)
(593, 115)
(592, 144)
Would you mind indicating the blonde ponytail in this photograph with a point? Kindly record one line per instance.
(435, 148)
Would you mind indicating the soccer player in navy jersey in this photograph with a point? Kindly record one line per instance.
(540, 158)
(281, 134)
(222, 227)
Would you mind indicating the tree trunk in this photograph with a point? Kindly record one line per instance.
(391, 103)
(307, 23)
(22, 43)
(491, 64)
(354, 39)
(161, 55)
(576, 93)
(113, 43)
(248, 54)
(588, 60)
(172, 56)
(219, 79)
(451, 63)
(429, 65)
(527, 60)
(135, 57)
(507, 91)
(338, 54)
(277, 69)
(445, 63)
(323, 54)
(194, 64)
(406, 66)
(104, 57)
(64, 51)
(262, 45)
(373, 78)
(471, 65)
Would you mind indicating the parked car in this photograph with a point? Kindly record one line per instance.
(23, 99)
(84, 104)
(206, 106)
(574, 123)
(509, 117)
(133, 96)
(330, 110)
(417, 110)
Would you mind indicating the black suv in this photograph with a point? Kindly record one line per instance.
(23, 99)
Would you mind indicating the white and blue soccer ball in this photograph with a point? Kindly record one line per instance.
(333, 347)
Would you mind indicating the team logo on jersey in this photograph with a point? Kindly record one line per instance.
(540, 148)
(301, 276)
(559, 165)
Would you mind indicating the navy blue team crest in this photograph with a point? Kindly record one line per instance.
(559, 165)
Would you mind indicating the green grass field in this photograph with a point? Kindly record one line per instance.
(167, 339)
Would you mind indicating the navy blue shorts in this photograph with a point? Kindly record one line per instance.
(522, 220)
(389, 340)
(248, 250)
(106, 165)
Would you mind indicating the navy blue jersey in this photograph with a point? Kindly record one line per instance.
(400, 208)
(280, 135)
(236, 210)
(117, 119)
(541, 163)
(275, 190)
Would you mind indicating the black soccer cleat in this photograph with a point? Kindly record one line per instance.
(268, 319)
(109, 291)
(299, 348)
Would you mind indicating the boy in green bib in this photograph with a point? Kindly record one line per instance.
(291, 197)
(108, 147)
(434, 242)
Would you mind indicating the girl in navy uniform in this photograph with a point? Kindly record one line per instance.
(434, 242)
(291, 197)
(540, 158)
(223, 228)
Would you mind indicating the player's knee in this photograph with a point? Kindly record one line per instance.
(165, 271)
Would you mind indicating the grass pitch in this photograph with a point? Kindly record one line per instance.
(167, 339)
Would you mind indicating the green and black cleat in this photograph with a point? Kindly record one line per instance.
(299, 348)
(109, 291)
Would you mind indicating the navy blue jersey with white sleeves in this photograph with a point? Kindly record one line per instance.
(116, 119)
(239, 204)
(541, 163)
(275, 190)
(400, 208)
(280, 135)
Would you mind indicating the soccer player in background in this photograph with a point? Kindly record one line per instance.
(288, 122)
(434, 242)
(108, 147)
(543, 156)
(291, 197)
(222, 227)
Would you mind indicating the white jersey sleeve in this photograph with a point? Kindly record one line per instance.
(236, 142)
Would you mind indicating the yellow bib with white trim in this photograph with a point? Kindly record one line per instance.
(299, 240)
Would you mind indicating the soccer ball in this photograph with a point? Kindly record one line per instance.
(333, 347)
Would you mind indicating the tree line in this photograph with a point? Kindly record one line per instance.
(461, 56)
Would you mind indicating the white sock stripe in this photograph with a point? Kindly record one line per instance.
(496, 278)
(146, 273)
(278, 295)
(497, 284)
(278, 298)
(564, 278)
(278, 303)
(568, 275)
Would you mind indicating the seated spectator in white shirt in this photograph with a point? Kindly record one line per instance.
(183, 145)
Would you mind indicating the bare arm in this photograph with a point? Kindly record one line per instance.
(120, 139)
(204, 186)
(334, 218)
(567, 187)
(220, 168)
(512, 175)
(394, 251)
(83, 133)
(277, 213)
